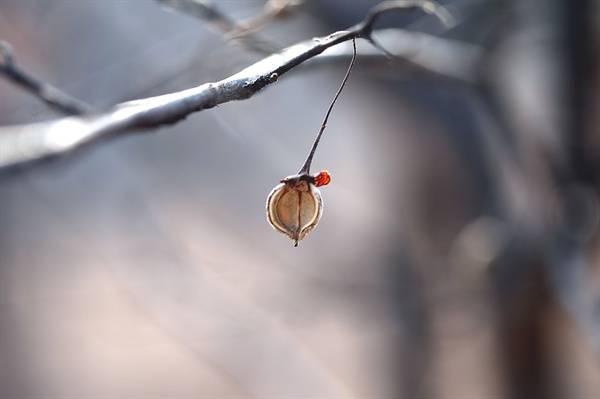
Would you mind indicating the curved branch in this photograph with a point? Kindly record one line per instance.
(419, 53)
(430, 7)
(31, 142)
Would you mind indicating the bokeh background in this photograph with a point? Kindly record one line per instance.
(458, 253)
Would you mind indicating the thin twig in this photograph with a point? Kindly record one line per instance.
(204, 11)
(31, 142)
(306, 167)
(220, 23)
(272, 10)
(420, 54)
(50, 94)
(430, 7)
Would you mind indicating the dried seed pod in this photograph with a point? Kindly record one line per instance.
(295, 206)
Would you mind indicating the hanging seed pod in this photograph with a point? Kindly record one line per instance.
(295, 206)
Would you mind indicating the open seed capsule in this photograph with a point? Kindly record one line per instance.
(295, 206)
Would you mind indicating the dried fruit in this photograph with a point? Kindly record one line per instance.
(295, 206)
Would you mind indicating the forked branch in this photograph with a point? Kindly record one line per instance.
(24, 143)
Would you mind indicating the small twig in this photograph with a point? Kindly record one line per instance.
(25, 143)
(430, 7)
(419, 53)
(50, 94)
(306, 167)
(202, 10)
(273, 9)
(218, 22)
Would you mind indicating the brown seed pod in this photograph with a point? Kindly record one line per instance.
(295, 206)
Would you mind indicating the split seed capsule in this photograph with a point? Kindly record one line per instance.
(295, 206)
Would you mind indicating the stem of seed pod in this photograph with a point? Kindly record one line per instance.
(306, 168)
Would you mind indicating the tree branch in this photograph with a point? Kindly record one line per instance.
(32, 142)
(420, 53)
(220, 23)
(50, 94)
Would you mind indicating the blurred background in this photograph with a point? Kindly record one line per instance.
(457, 257)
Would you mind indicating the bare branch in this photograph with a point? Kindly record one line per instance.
(31, 142)
(420, 53)
(222, 24)
(50, 94)
(202, 10)
(431, 7)
(272, 10)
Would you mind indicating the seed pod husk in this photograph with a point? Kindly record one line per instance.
(295, 206)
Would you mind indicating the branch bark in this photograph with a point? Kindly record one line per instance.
(31, 142)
